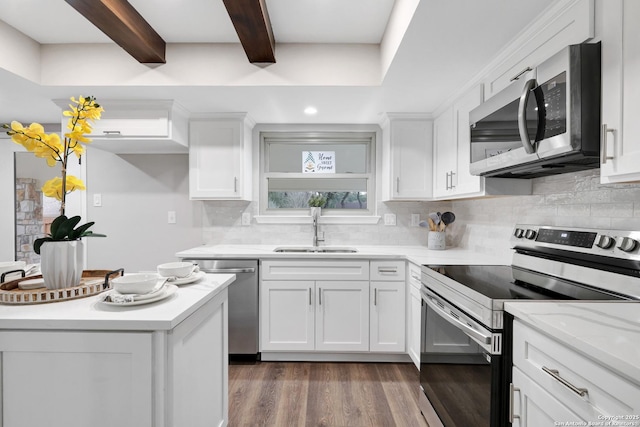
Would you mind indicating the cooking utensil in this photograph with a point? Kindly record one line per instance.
(435, 217)
(447, 218)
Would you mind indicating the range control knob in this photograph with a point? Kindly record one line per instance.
(604, 241)
(530, 234)
(627, 244)
(518, 233)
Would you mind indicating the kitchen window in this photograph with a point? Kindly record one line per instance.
(338, 166)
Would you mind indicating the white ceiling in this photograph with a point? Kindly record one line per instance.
(445, 46)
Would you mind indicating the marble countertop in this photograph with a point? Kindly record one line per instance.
(608, 332)
(416, 254)
(90, 314)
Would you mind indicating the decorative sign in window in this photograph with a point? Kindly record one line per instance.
(319, 162)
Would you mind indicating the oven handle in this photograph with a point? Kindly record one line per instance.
(431, 302)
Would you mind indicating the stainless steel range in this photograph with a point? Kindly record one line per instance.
(465, 364)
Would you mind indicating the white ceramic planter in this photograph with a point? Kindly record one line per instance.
(61, 263)
(436, 240)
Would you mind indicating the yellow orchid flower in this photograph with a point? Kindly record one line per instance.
(53, 187)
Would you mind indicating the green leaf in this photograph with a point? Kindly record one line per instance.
(80, 231)
(92, 234)
(56, 224)
(38, 243)
(66, 228)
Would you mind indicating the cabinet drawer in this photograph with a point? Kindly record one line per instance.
(388, 270)
(314, 270)
(413, 276)
(606, 392)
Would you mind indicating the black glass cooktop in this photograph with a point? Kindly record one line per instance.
(500, 282)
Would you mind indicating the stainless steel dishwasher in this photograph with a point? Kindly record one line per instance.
(243, 304)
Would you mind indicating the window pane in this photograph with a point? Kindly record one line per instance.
(287, 157)
(334, 199)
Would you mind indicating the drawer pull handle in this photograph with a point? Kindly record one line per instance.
(517, 76)
(387, 270)
(310, 303)
(556, 375)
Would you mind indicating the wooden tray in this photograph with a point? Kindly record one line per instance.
(93, 282)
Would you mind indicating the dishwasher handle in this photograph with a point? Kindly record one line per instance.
(229, 270)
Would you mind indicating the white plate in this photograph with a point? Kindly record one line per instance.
(189, 279)
(146, 299)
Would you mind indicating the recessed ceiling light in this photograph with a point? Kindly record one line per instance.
(310, 111)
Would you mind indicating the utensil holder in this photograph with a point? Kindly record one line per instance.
(436, 240)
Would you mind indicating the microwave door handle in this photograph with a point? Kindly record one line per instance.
(522, 116)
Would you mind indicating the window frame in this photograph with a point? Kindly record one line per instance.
(313, 138)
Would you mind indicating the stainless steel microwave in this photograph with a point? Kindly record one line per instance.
(546, 125)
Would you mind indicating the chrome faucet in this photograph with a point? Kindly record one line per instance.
(314, 216)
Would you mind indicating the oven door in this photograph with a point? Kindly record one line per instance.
(461, 367)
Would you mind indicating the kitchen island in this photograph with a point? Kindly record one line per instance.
(84, 363)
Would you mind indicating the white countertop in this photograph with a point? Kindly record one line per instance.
(416, 254)
(89, 314)
(608, 332)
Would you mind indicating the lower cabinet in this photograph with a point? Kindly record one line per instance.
(344, 313)
(552, 383)
(414, 313)
(309, 316)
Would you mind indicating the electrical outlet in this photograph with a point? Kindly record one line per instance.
(246, 218)
(389, 219)
(415, 220)
(97, 200)
(171, 217)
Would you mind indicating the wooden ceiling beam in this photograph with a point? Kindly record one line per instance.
(251, 21)
(125, 26)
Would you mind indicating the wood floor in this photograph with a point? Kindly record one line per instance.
(289, 394)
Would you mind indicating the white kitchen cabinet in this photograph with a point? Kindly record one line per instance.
(414, 312)
(563, 24)
(342, 316)
(407, 150)
(387, 306)
(129, 378)
(287, 315)
(551, 381)
(138, 127)
(220, 157)
(620, 159)
(451, 156)
(301, 315)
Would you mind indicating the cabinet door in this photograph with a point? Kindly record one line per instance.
(216, 159)
(533, 406)
(387, 318)
(464, 182)
(444, 153)
(287, 315)
(411, 149)
(620, 92)
(342, 315)
(76, 379)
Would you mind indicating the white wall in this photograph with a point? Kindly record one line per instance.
(137, 192)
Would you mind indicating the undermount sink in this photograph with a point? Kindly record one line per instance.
(318, 249)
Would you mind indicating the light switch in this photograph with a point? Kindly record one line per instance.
(171, 217)
(97, 200)
(389, 219)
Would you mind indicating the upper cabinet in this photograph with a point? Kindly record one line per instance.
(220, 157)
(620, 139)
(407, 148)
(141, 126)
(567, 22)
(451, 156)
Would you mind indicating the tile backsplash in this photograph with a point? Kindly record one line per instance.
(482, 224)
